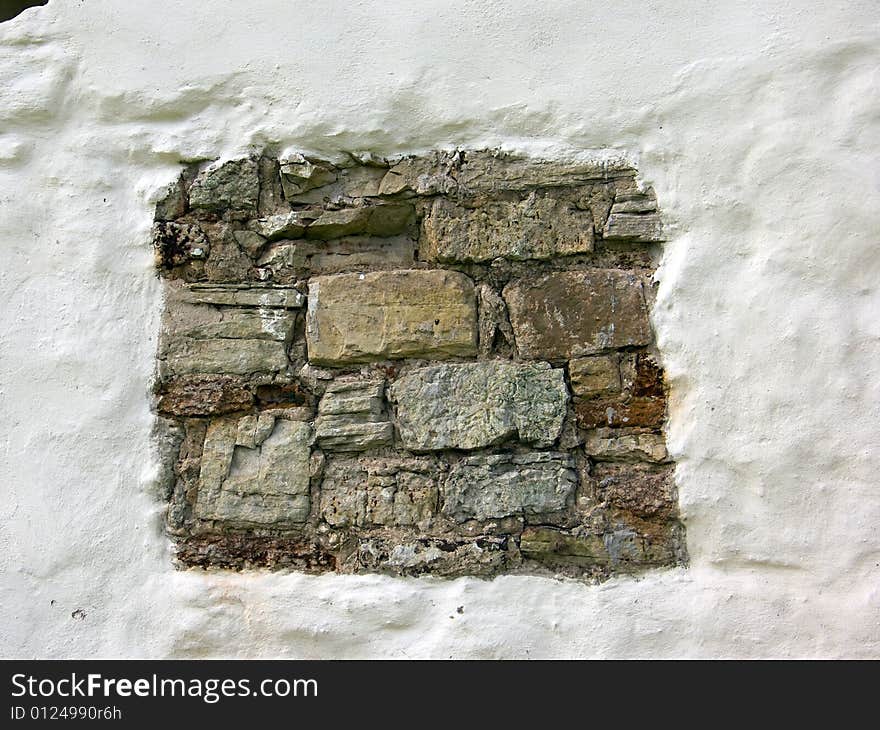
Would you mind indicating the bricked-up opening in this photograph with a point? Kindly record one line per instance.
(438, 364)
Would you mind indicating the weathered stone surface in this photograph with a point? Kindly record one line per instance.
(555, 548)
(234, 184)
(646, 228)
(204, 395)
(176, 244)
(493, 320)
(227, 330)
(282, 225)
(640, 400)
(621, 411)
(255, 470)
(243, 295)
(619, 548)
(302, 256)
(489, 487)
(594, 376)
(373, 220)
(473, 405)
(390, 315)
(574, 313)
(634, 217)
(621, 445)
(251, 243)
(539, 227)
(299, 175)
(642, 490)
(173, 204)
(352, 417)
(185, 356)
(369, 492)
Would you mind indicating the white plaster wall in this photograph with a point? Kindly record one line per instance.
(758, 123)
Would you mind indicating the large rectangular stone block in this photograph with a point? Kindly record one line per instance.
(472, 405)
(381, 315)
(568, 314)
(499, 485)
(255, 470)
(539, 227)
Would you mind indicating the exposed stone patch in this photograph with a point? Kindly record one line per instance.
(437, 364)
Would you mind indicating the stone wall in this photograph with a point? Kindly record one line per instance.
(437, 364)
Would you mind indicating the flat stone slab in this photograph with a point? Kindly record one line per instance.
(574, 313)
(473, 405)
(499, 485)
(354, 318)
(539, 227)
(255, 471)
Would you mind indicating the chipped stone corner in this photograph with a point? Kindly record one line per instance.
(439, 364)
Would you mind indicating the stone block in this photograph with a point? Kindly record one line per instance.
(645, 491)
(204, 395)
(305, 256)
(355, 318)
(299, 175)
(255, 471)
(556, 548)
(634, 217)
(539, 227)
(486, 487)
(622, 445)
(621, 412)
(594, 376)
(570, 314)
(351, 416)
(232, 185)
(370, 492)
(473, 405)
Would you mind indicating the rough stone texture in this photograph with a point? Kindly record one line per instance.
(539, 227)
(574, 313)
(643, 490)
(594, 376)
(438, 364)
(493, 321)
(390, 315)
(474, 405)
(299, 174)
(498, 485)
(288, 259)
(352, 417)
(234, 185)
(605, 444)
(255, 470)
(204, 395)
(368, 492)
(634, 217)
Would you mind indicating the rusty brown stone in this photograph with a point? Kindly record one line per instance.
(569, 314)
(644, 491)
(204, 395)
(618, 412)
